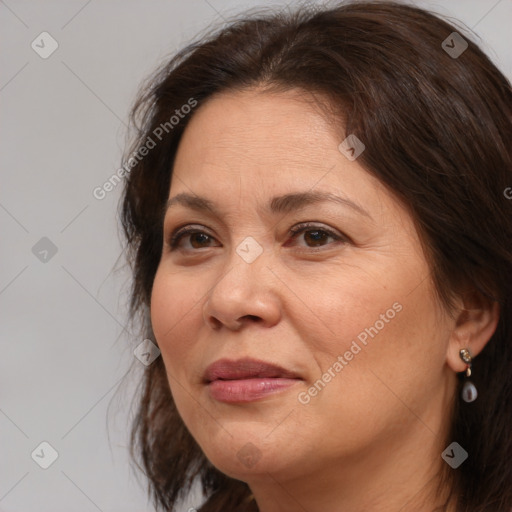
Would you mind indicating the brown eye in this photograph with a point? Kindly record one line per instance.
(198, 239)
(314, 235)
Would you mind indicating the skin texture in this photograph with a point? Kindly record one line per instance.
(371, 439)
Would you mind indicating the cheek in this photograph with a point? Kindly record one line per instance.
(341, 308)
(387, 374)
(173, 305)
(174, 318)
(390, 330)
(398, 362)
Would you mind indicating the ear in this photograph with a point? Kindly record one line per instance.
(475, 323)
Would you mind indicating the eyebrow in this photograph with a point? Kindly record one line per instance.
(278, 205)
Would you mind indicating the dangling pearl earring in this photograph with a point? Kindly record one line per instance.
(469, 392)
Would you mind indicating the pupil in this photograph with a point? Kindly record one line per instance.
(318, 237)
(198, 235)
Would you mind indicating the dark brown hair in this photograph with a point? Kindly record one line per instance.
(438, 134)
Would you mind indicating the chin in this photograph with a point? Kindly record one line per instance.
(247, 463)
(241, 450)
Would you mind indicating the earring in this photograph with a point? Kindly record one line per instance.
(469, 392)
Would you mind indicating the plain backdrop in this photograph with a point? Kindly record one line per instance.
(65, 339)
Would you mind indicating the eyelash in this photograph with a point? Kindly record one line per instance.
(304, 227)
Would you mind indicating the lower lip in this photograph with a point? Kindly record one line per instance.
(247, 390)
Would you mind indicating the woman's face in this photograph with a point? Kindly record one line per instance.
(344, 307)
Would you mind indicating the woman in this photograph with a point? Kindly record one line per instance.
(320, 233)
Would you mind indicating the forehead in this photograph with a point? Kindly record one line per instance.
(260, 127)
(259, 136)
(252, 146)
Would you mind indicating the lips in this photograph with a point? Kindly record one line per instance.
(224, 369)
(246, 380)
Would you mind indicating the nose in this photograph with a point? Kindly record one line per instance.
(244, 294)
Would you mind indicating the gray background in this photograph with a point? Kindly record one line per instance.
(65, 343)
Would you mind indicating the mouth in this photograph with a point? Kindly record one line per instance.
(246, 380)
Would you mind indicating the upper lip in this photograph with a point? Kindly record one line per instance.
(246, 368)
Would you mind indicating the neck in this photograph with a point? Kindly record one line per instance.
(399, 476)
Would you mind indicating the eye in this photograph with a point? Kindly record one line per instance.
(199, 239)
(196, 237)
(315, 234)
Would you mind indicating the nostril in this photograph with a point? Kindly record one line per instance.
(252, 317)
